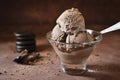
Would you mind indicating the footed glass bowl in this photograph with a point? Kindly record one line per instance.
(73, 56)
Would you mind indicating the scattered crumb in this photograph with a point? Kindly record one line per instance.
(96, 55)
(7, 57)
(5, 71)
(56, 56)
(1, 73)
(12, 74)
(56, 74)
(48, 71)
(48, 77)
(41, 63)
(23, 74)
(59, 71)
(45, 68)
(52, 62)
(17, 71)
(27, 58)
(48, 54)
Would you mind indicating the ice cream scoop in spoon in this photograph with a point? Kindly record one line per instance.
(111, 28)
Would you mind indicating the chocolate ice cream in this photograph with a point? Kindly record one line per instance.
(71, 21)
(58, 34)
(70, 30)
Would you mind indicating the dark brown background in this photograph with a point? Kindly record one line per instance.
(46, 11)
(39, 16)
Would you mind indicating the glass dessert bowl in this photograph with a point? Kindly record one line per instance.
(73, 56)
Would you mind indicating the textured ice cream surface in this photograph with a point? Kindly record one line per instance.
(77, 38)
(57, 34)
(70, 28)
(71, 21)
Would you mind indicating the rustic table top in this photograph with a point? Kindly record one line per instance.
(103, 63)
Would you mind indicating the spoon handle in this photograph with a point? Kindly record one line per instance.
(111, 28)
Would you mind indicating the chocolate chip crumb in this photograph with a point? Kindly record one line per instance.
(41, 63)
(52, 62)
(7, 57)
(48, 77)
(23, 74)
(48, 71)
(96, 55)
(56, 74)
(48, 54)
(12, 74)
(17, 71)
(59, 71)
(0, 73)
(5, 71)
(45, 68)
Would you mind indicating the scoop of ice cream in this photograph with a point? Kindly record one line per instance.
(77, 38)
(70, 28)
(57, 34)
(71, 21)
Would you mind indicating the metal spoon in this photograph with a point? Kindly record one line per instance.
(111, 28)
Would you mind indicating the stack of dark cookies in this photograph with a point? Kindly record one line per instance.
(25, 41)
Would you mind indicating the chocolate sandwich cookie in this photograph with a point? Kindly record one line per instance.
(25, 41)
(24, 34)
(25, 38)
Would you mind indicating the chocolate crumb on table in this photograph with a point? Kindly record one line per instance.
(1, 73)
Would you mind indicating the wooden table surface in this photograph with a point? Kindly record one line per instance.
(103, 63)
